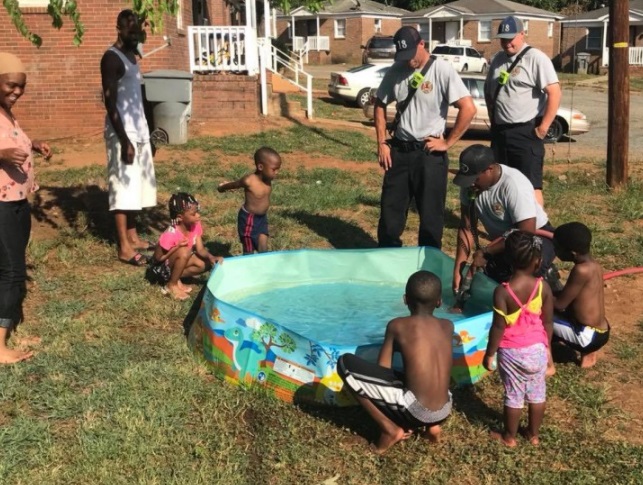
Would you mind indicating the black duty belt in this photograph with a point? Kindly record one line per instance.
(506, 126)
(406, 146)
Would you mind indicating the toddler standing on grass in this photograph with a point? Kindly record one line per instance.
(520, 335)
(252, 221)
(180, 252)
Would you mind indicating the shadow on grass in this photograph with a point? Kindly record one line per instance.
(340, 234)
(189, 319)
(87, 209)
(466, 401)
(285, 112)
(562, 354)
(354, 418)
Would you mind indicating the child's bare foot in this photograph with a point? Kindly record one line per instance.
(533, 439)
(432, 433)
(386, 440)
(8, 356)
(175, 292)
(184, 287)
(510, 442)
(588, 360)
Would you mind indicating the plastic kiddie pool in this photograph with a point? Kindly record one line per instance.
(244, 346)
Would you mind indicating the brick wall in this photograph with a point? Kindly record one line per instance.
(225, 96)
(537, 37)
(64, 95)
(573, 41)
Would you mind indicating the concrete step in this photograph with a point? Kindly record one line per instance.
(280, 105)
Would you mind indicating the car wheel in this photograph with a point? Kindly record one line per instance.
(556, 130)
(484, 69)
(363, 97)
(465, 68)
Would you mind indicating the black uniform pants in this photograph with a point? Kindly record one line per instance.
(517, 146)
(418, 175)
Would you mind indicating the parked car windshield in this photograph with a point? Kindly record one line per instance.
(448, 50)
(381, 42)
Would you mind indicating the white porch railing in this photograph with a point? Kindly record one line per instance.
(227, 48)
(314, 42)
(636, 56)
(273, 59)
(317, 43)
(298, 43)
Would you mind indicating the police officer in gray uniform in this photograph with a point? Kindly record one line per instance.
(415, 160)
(522, 103)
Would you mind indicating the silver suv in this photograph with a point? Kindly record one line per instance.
(378, 49)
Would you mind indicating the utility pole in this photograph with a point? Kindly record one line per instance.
(618, 106)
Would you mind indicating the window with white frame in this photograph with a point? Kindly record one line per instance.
(33, 3)
(484, 30)
(340, 28)
(594, 39)
(378, 26)
(525, 25)
(550, 29)
(179, 15)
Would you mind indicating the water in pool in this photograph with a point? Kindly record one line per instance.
(336, 313)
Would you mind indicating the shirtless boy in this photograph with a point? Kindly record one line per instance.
(579, 318)
(403, 402)
(252, 221)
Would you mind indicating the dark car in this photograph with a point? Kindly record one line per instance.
(378, 49)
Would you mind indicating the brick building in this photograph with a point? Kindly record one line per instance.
(338, 31)
(477, 21)
(588, 32)
(64, 96)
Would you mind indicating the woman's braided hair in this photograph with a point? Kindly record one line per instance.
(179, 203)
(522, 248)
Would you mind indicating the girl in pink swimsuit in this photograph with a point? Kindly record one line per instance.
(180, 252)
(520, 335)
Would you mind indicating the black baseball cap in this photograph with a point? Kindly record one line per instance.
(406, 41)
(509, 28)
(473, 161)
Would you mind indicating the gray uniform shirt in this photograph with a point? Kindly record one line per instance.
(522, 99)
(426, 114)
(508, 202)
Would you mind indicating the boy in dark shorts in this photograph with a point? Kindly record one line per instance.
(403, 402)
(252, 221)
(579, 318)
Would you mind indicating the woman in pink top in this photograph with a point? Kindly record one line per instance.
(180, 252)
(16, 183)
(520, 334)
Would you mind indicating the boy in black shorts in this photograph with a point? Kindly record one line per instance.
(403, 402)
(579, 318)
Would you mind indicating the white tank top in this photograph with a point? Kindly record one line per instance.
(129, 103)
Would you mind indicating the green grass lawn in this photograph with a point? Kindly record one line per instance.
(114, 395)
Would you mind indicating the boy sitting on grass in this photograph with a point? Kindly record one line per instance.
(252, 221)
(579, 318)
(403, 402)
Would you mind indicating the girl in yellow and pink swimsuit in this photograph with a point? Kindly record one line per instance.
(520, 335)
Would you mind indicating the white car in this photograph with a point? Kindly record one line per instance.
(354, 85)
(567, 122)
(463, 58)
